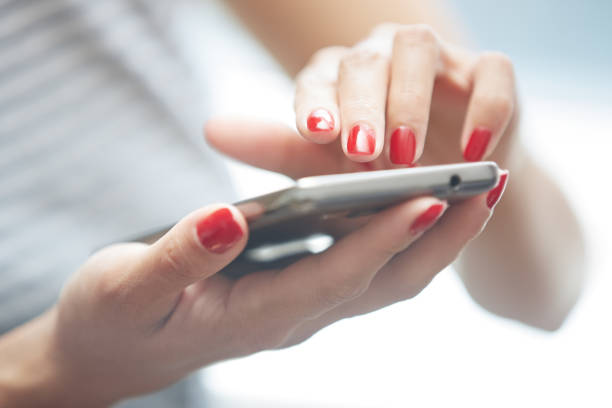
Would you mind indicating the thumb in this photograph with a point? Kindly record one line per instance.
(198, 246)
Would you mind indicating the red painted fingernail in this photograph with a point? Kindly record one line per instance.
(320, 120)
(361, 140)
(219, 231)
(496, 193)
(477, 145)
(403, 146)
(427, 218)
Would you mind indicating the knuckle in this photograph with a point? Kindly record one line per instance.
(497, 57)
(267, 335)
(498, 105)
(172, 258)
(409, 289)
(385, 27)
(392, 249)
(416, 34)
(304, 83)
(110, 270)
(360, 58)
(321, 70)
(499, 60)
(310, 81)
(304, 77)
(361, 105)
(257, 340)
(327, 53)
(294, 340)
(407, 92)
(271, 338)
(260, 326)
(336, 293)
(111, 291)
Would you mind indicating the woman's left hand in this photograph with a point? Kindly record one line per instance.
(404, 96)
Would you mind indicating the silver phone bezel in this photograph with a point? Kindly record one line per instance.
(371, 190)
(357, 193)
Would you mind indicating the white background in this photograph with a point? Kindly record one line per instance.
(439, 349)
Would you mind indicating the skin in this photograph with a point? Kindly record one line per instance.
(136, 318)
(442, 90)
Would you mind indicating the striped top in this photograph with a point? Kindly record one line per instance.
(99, 140)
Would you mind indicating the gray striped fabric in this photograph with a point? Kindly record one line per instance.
(99, 140)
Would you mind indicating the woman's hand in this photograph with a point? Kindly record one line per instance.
(404, 96)
(137, 317)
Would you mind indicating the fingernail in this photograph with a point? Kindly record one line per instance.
(219, 231)
(477, 145)
(427, 218)
(320, 120)
(403, 146)
(496, 193)
(361, 140)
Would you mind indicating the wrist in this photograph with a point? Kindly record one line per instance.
(33, 373)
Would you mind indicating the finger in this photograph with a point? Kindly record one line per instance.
(319, 283)
(316, 107)
(408, 273)
(411, 271)
(271, 146)
(413, 70)
(491, 106)
(362, 93)
(197, 247)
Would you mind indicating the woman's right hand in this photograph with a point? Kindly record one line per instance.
(136, 318)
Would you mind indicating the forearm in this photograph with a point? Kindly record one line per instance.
(528, 262)
(293, 30)
(30, 373)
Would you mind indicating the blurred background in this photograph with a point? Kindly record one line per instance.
(441, 349)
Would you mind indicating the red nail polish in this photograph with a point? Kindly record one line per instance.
(427, 218)
(495, 194)
(219, 231)
(320, 120)
(477, 145)
(403, 146)
(361, 140)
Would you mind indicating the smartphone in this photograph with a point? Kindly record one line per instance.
(309, 216)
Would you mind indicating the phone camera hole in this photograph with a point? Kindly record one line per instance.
(454, 181)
